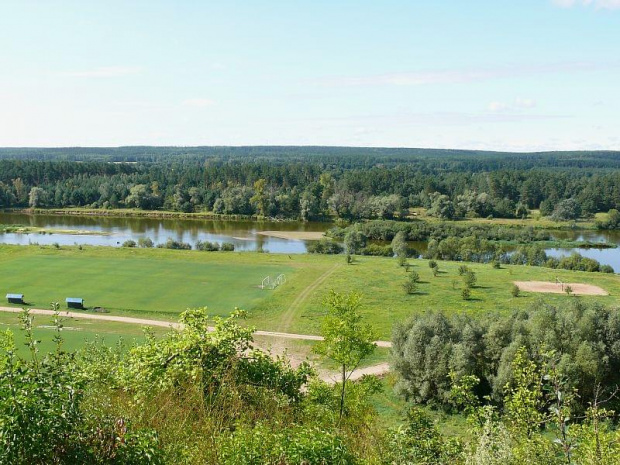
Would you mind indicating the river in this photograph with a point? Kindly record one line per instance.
(113, 231)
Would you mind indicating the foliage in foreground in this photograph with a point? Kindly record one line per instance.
(207, 395)
(197, 395)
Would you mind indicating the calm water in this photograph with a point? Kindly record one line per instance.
(604, 256)
(241, 233)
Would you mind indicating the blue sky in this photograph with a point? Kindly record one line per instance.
(499, 74)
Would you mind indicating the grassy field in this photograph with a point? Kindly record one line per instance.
(154, 281)
(75, 332)
(159, 283)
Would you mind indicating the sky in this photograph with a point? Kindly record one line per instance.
(510, 75)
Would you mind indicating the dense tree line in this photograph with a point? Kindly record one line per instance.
(431, 350)
(421, 231)
(313, 183)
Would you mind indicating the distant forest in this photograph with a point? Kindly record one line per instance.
(312, 183)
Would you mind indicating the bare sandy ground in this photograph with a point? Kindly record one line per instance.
(553, 288)
(294, 235)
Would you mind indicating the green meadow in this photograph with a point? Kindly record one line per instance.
(160, 284)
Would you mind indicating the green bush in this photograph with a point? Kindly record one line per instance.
(263, 444)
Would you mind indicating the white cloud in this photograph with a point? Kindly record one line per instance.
(458, 76)
(597, 4)
(198, 102)
(497, 106)
(524, 103)
(104, 72)
(518, 104)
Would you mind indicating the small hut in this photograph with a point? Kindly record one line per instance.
(15, 298)
(75, 302)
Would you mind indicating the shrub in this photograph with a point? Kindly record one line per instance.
(175, 245)
(227, 247)
(378, 250)
(469, 279)
(432, 264)
(145, 242)
(207, 246)
(325, 246)
(129, 243)
(297, 444)
(465, 293)
(463, 269)
(411, 287)
(606, 269)
(515, 291)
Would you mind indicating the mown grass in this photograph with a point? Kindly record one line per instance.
(75, 332)
(160, 284)
(137, 281)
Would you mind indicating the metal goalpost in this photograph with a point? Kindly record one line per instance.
(268, 283)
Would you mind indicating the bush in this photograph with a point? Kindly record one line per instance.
(378, 250)
(469, 279)
(515, 291)
(298, 444)
(325, 246)
(606, 269)
(207, 246)
(432, 264)
(145, 242)
(465, 293)
(228, 247)
(411, 287)
(175, 245)
(129, 243)
(463, 269)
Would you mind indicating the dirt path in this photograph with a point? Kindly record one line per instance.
(289, 314)
(164, 324)
(327, 376)
(377, 370)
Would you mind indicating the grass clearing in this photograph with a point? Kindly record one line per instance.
(76, 332)
(160, 284)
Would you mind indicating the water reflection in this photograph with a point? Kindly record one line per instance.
(241, 233)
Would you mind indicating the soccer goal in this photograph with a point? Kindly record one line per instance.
(269, 283)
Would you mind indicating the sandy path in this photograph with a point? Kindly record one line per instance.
(289, 314)
(327, 376)
(376, 370)
(294, 235)
(165, 324)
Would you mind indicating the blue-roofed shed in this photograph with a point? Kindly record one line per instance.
(15, 298)
(75, 302)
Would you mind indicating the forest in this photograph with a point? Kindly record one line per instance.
(313, 183)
